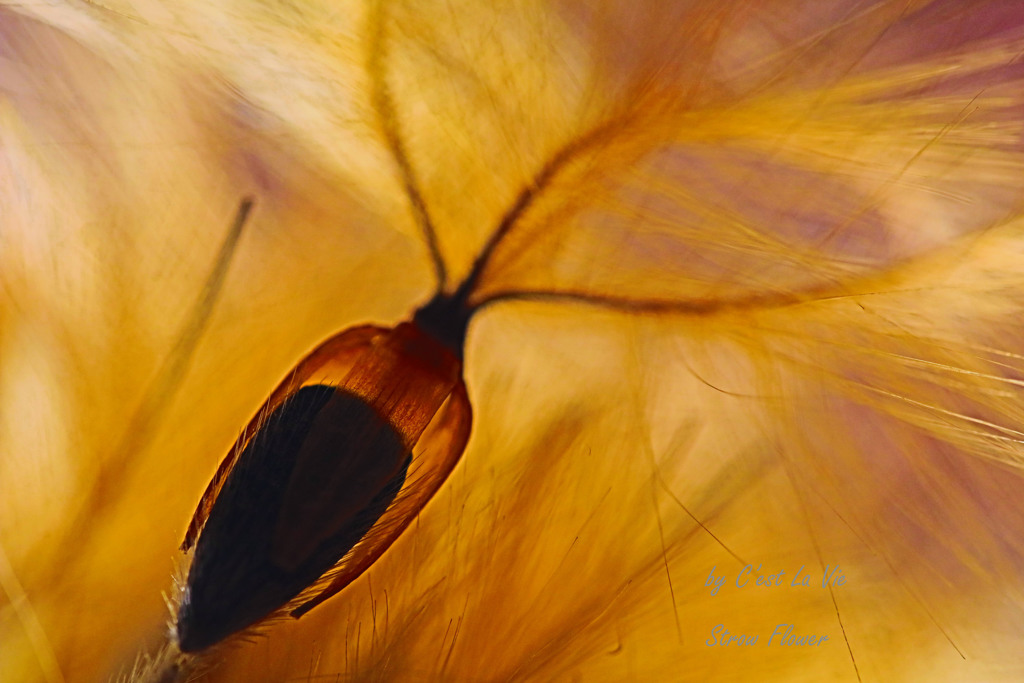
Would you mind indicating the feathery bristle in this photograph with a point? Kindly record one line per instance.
(829, 190)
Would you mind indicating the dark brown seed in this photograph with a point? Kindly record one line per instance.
(314, 479)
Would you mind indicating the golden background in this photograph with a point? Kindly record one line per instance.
(863, 157)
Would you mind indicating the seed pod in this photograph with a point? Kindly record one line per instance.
(334, 466)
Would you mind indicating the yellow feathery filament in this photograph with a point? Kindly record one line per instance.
(756, 314)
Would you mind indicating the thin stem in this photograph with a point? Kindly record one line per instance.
(158, 395)
(24, 612)
(526, 197)
(384, 105)
(694, 307)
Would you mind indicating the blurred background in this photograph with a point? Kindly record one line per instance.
(863, 159)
